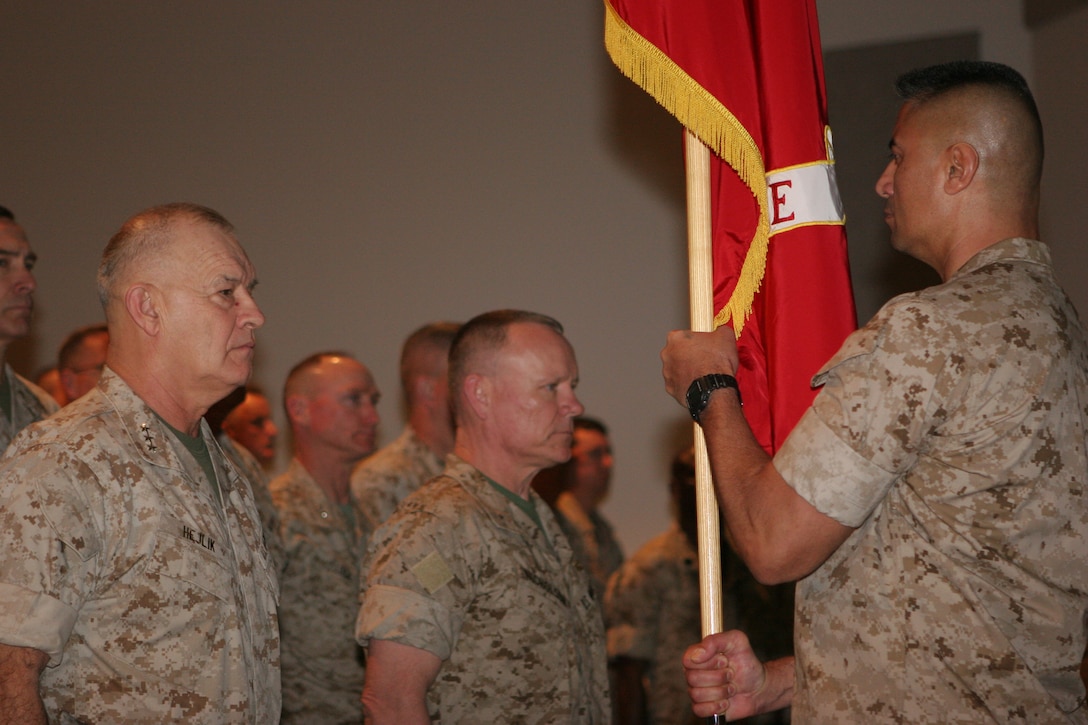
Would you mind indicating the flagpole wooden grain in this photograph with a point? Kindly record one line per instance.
(701, 282)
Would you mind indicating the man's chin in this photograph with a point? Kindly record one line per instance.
(366, 445)
(236, 377)
(899, 244)
(560, 456)
(15, 328)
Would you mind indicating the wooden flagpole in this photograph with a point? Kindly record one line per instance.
(701, 281)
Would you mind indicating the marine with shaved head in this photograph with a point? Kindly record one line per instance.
(474, 607)
(331, 402)
(932, 502)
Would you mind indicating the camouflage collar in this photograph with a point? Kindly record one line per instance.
(149, 435)
(418, 449)
(1012, 249)
(310, 500)
(475, 483)
(500, 511)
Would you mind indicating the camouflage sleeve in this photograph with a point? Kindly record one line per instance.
(48, 546)
(631, 605)
(419, 582)
(406, 617)
(881, 393)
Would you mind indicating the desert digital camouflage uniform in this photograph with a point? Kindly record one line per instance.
(154, 601)
(29, 404)
(951, 430)
(248, 465)
(386, 478)
(652, 610)
(597, 541)
(462, 572)
(319, 599)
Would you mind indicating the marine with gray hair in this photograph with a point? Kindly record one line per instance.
(135, 585)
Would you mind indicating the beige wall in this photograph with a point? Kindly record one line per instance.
(1061, 61)
(999, 24)
(387, 164)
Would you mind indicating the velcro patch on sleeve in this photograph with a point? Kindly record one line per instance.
(433, 572)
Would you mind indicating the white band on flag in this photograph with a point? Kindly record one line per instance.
(803, 195)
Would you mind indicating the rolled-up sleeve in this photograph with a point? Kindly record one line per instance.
(47, 547)
(880, 399)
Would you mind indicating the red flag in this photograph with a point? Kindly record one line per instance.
(746, 77)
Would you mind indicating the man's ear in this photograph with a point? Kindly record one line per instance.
(962, 164)
(424, 387)
(67, 382)
(476, 394)
(142, 306)
(297, 409)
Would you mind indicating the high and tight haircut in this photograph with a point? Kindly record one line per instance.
(435, 336)
(585, 422)
(307, 364)
(6, 213)
(486, 333)
(74, 341)
(147, 233)
(925, 84)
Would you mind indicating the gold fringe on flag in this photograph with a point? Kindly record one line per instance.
(706, 117)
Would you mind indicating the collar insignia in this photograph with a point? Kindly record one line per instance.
(146, 430)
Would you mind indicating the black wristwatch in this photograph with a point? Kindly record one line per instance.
(700, 389)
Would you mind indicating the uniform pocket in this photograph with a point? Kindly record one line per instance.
(176, 614)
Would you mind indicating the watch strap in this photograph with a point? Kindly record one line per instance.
(698, 395)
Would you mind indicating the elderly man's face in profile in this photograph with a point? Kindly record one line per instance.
(209, 316)
(535, 405)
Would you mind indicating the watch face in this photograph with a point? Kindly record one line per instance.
(698, 395)
(697, 398)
